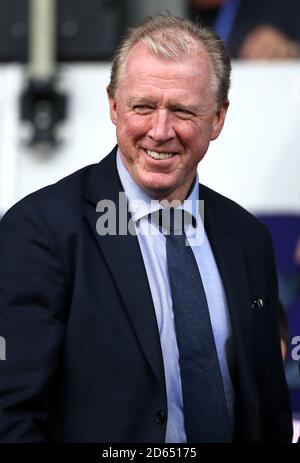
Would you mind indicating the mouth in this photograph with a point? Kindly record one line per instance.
(159, 155)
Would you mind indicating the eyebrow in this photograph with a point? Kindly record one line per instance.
(174, 105)
(184, 107)
(141, 100)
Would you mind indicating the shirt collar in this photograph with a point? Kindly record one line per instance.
(141, 204)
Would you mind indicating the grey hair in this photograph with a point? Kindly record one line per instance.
(172, 37)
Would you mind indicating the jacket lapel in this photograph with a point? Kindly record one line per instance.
(226, 246)
(124, 259)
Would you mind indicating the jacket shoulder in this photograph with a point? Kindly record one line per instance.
(231, 213)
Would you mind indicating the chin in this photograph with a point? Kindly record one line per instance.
(157, 181)
(156, 189)
(158, 192)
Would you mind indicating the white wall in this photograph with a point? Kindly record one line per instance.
(255, 161)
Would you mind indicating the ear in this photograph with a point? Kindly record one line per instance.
(112, 105)
(219, 120)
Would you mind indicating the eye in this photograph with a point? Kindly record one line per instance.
(143, 109)
(183, 113)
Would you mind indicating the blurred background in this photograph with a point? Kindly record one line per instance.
(54, 68)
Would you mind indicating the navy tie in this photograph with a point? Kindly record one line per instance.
(205, 410)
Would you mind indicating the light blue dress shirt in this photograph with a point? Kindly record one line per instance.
(153, 248)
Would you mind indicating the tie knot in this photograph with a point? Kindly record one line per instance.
(172, 221)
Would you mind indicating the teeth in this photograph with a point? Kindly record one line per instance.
(156, 155)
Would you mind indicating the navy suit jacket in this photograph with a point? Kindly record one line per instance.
(83, 360)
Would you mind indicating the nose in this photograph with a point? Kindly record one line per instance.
(162, 128)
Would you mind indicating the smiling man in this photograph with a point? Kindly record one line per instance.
(166, 113)
(144, 337)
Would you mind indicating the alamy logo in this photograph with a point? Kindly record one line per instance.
(115, 220)
(2, 348)
(296, 350)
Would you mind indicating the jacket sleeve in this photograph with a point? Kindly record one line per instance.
(32, 302)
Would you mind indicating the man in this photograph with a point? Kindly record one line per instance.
(99, 347)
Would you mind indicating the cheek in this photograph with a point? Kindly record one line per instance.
(199, 135)
(133, 127)
(196, 142)
(190, 136)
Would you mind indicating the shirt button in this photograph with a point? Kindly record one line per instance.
(160, 417)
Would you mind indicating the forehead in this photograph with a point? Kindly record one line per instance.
(143, 68)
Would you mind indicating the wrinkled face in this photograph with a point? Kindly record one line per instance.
(165, 115)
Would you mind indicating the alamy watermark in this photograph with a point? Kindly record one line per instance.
(118, 219)
(295, 353)
(2, 348)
